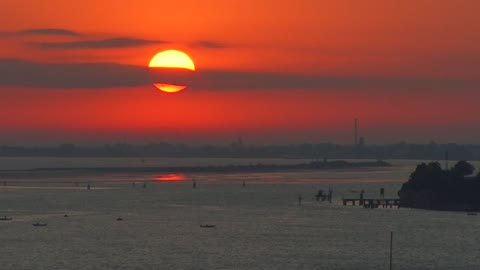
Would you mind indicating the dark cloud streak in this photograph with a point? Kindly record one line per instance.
(20, 73)
(69, 76)
(83, 43)
(209, 45)
(41, 31)
(261, 80)
(49, 31)
(99, 44)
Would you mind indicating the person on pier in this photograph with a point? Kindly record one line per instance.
(319, 195)
(361, 196)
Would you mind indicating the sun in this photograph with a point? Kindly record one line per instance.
(171, 59)
(169, 88)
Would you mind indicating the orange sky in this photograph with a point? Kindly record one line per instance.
(417, 64)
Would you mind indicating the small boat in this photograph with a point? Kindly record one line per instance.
(65, 215)
(207, 226)
(5, 218)
(471, 214)
(38, 224)
(119, 219)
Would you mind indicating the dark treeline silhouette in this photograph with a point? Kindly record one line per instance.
(431, 187)
(431, 151)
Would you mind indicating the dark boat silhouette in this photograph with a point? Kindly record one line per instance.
(38, 224)
(5, 218)
(119, 219)
(471, 214)
(208, 226)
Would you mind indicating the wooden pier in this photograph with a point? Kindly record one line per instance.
(372, 203)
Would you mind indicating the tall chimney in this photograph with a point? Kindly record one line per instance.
(356, 131)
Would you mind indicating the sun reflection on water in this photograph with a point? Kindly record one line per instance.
(170, 177)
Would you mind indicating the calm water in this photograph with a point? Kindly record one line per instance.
(260, 226)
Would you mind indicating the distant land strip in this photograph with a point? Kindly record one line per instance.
(314, 165)
(401, 150)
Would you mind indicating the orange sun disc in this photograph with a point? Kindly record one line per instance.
(169, 88)
(171, 59)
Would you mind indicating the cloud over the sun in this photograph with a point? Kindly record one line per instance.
(21, 73)
(86, 41)
(120, 42)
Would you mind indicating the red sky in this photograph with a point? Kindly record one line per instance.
(407, 70)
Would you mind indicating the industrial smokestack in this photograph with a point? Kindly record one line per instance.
(356, 131)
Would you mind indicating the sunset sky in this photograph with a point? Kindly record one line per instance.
(268, 71)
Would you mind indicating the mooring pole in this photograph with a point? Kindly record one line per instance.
(391, 249)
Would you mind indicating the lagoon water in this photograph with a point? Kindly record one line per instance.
(259, 226)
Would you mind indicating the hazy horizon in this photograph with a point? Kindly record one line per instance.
(344, 136)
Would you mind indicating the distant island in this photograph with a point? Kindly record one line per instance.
(431, 187)
(313, 165)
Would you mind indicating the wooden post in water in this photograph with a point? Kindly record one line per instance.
(391, 249)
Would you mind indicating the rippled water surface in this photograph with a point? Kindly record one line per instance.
(259, 226)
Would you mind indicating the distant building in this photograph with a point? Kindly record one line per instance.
(238, 144)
